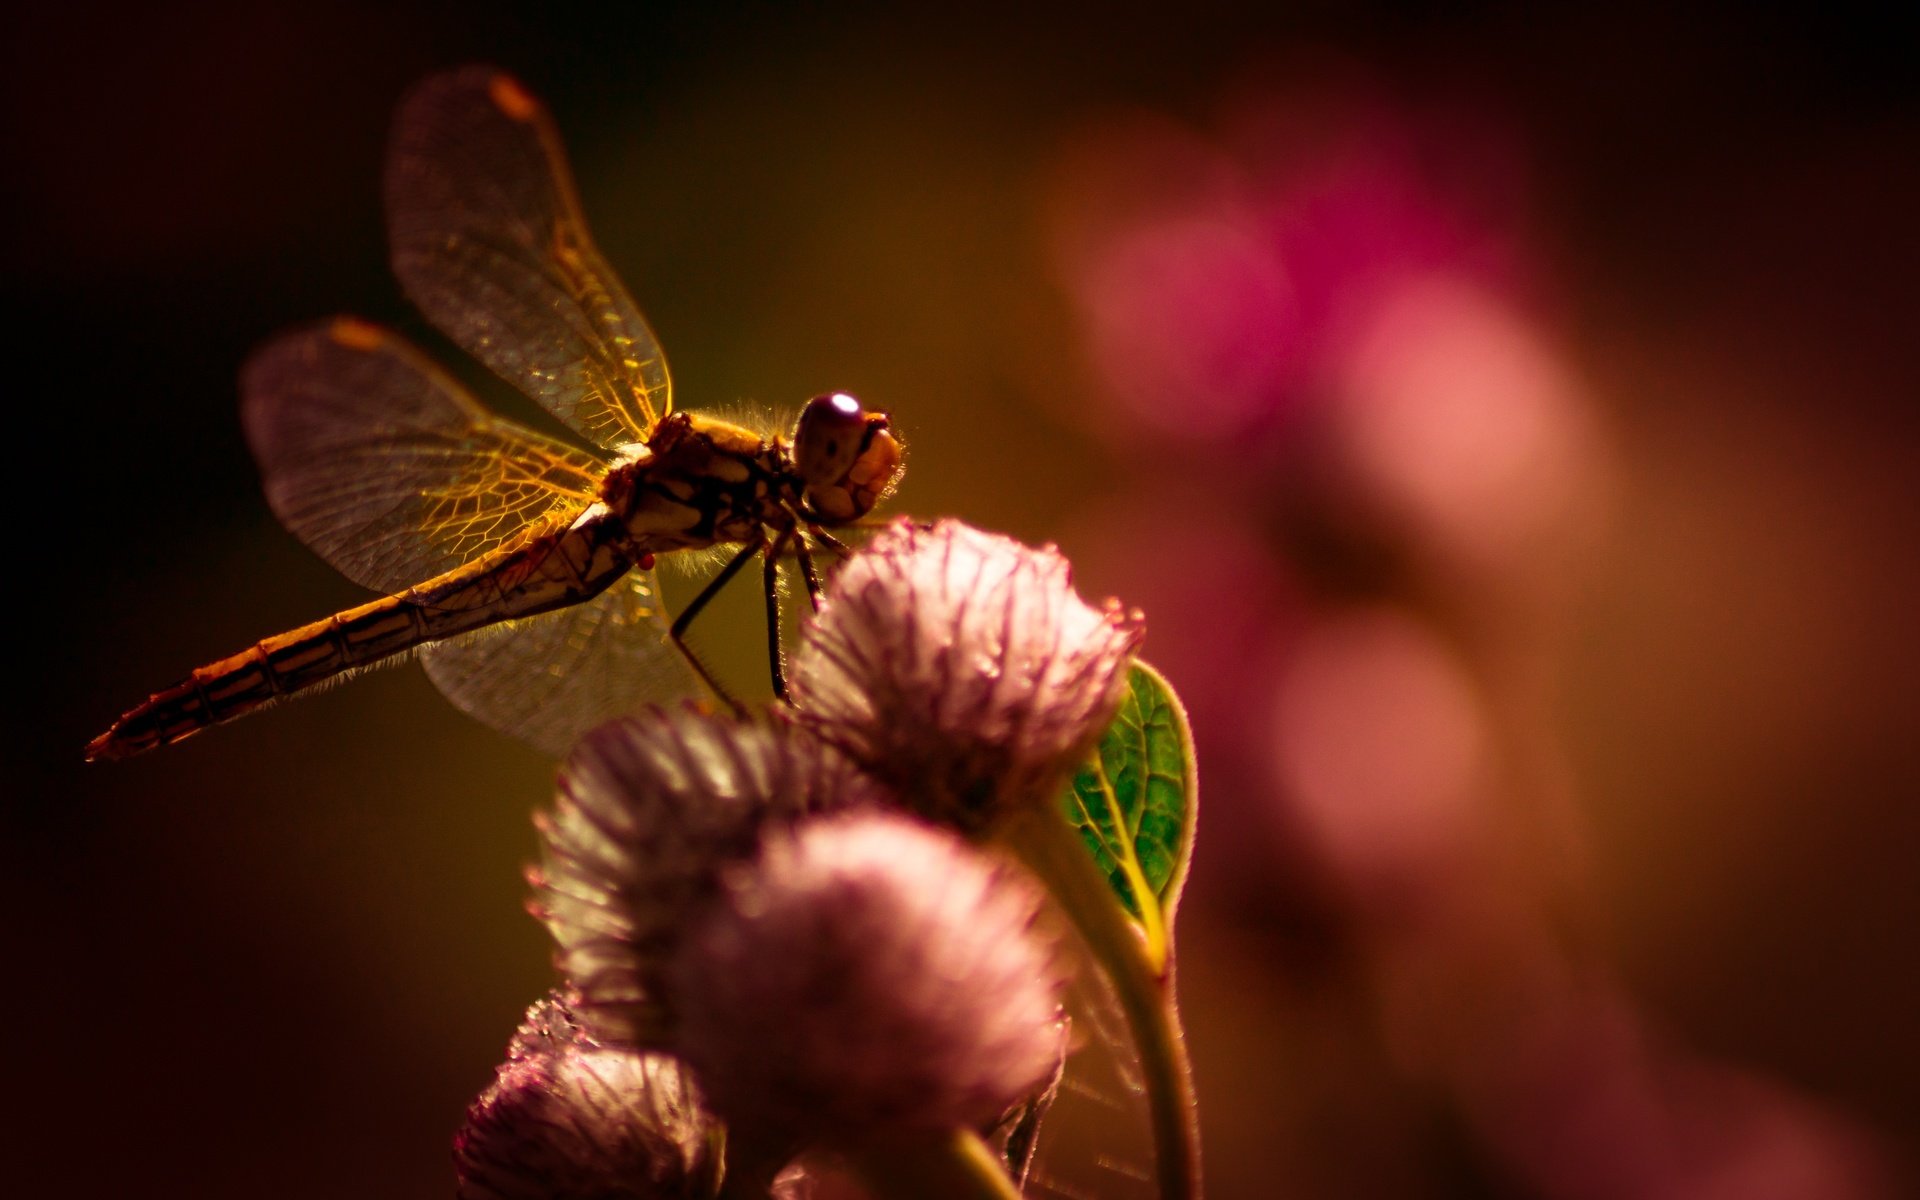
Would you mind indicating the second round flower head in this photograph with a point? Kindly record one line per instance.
(734, 892)
(567, 1117)
(962, 669)
(868, 975)
(650, 808)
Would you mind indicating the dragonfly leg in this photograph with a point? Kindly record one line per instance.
(804, 553)
(685, 619)
(831, 542)
(770, 581)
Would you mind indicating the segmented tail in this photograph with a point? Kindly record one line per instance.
(549, 570)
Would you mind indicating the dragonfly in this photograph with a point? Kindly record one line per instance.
(519, 567)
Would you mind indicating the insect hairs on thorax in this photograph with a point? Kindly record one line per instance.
(702, 481)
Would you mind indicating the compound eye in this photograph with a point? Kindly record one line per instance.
(846, 456)
(828, 438)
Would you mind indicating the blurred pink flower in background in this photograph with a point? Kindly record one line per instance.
(1191, 320)
(1184, 302)
(1362, 482)
(1453, 410)
(1219, 280)
(1306, 341)
(1382, 747)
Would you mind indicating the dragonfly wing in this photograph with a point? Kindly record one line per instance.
(384, 466)
(1096, 1137)
(489, 240)
(548, 679)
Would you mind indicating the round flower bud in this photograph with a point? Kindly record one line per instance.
(962, 669)
(649, 808)
(568, 1118)
(866, 975)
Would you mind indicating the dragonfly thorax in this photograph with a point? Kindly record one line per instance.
(701, 481)
(630, 453)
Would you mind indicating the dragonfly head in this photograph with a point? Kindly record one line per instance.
(846, 456)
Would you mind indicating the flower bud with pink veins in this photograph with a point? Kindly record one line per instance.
(868, 976)
(568, 1118)
(961, 668)
(650, 808)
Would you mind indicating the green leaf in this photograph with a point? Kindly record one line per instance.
(1134, 801)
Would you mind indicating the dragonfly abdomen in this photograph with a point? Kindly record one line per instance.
(541, 573)
(270, 669)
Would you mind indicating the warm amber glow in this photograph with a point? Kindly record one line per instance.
(356, 334)
(512, 98)
(1576, 340)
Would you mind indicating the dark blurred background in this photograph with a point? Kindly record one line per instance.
(1506, 421)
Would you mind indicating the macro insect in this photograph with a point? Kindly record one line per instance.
(520, 567)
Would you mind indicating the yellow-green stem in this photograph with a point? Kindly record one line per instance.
(936, 1166)
(1153, 927)
(1053, 850)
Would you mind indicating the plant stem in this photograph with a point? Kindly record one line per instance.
(1053, 850)
(940, 1166)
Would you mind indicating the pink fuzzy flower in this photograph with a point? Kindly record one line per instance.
(868, 974)
(961, 668)
(650, 807)
(566, 1117)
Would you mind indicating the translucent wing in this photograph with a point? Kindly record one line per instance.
(550, 678)
(489, 241)
(1096, 1139)
(386, 467)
